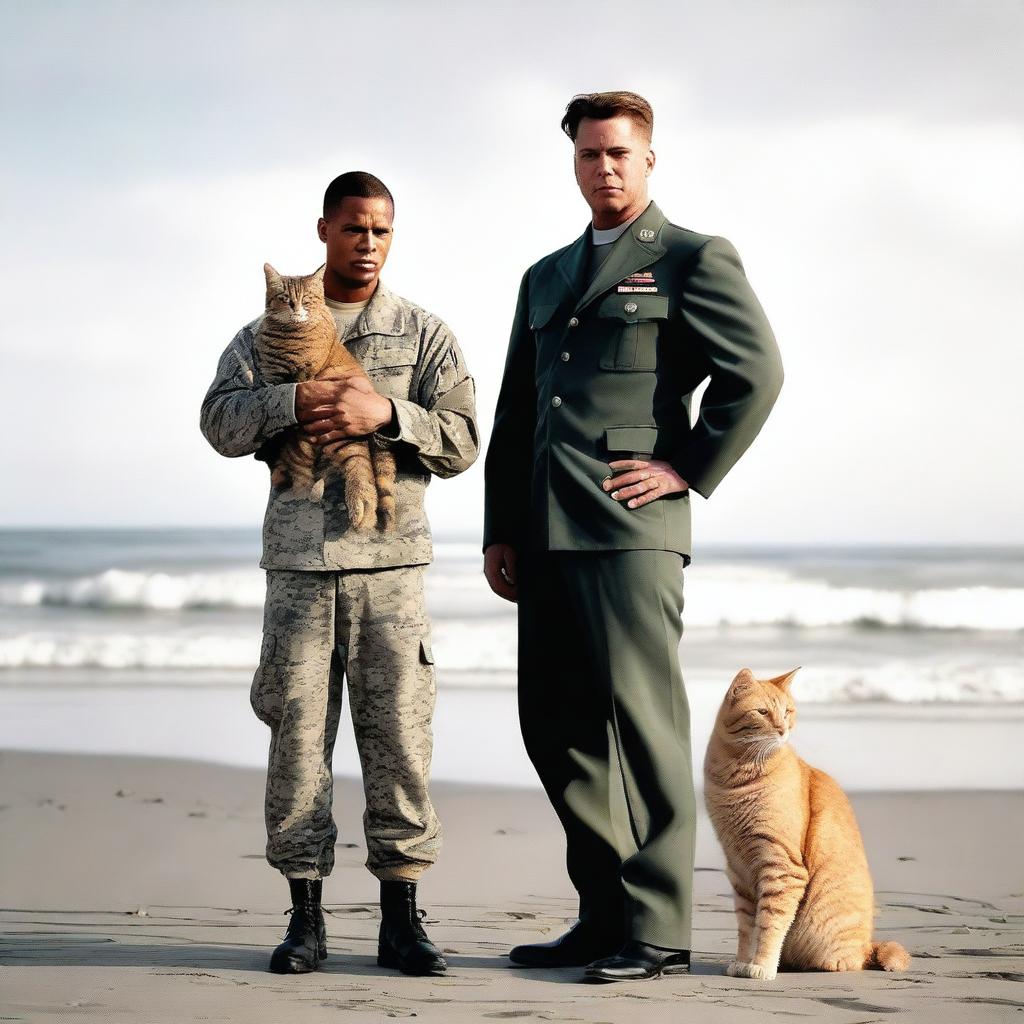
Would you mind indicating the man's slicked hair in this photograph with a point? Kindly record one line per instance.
(602, 105)
(358, 185)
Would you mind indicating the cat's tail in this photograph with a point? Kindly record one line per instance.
(384, 469)
(887, 956)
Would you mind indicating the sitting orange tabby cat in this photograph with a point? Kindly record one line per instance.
(802, 890)
(295, 341)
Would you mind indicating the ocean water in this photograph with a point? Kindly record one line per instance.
(144, 641)
(880, 624)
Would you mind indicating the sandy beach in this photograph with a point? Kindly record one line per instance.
(135, 889)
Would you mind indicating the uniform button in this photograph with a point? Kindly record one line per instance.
(565, 357)
(556, 401)
(630, 307)
(574, 322)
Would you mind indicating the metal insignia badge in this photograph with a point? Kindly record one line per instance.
(646, 235)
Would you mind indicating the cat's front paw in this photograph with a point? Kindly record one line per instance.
(741, 970)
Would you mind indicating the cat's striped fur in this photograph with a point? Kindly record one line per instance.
(296, 340)
(802, 890)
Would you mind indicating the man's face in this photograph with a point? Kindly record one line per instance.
(613, 159)
(358, 237)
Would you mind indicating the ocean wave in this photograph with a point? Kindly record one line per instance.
(156, 591)
(478, 655)
(898, 682)
(716, 595)
(128, 651)
(486, 647)
(746, 596)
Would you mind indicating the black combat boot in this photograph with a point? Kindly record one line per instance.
(403, 942)
(305, 942)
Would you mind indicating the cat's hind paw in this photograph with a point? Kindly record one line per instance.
(741, 970)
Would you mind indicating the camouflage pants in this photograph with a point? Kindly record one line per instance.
(318, 628)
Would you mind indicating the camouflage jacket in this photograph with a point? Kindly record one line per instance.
(410, 357)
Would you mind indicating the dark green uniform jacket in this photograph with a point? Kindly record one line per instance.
(606, 370)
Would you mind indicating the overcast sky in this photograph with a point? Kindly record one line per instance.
(864, 158)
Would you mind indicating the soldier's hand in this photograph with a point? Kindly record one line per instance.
(338, 405)
(314, 394)
(500, 570)
(638, 481)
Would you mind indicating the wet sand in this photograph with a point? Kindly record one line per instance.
(135, 889)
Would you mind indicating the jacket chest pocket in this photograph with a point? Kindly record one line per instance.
(390, 369)
(547, 335)
(633, 323)
(540, 316)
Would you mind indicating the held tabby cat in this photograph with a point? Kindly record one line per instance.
(297, 340)
(802, 889)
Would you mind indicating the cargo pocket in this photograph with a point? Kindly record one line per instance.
(265, 692)
(427, 679)
(634, 345)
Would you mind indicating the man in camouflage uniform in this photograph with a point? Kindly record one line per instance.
(346, 603)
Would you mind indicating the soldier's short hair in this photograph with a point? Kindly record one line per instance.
(358, 185)
(602, 105)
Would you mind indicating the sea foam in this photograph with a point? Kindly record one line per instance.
(716, 595)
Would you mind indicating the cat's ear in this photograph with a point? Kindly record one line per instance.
(273, 277)
(783, 682)
(741, 682)
(315, 282)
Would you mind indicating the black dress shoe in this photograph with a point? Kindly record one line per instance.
(637, 961)
(576, 948)
(305, 942)
(403, 942)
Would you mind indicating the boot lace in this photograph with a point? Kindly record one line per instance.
(300, 914)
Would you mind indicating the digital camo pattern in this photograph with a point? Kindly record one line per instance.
(410, 357)
(372, 627)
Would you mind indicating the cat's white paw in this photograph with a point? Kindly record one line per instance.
(741, 970)
(316, 492)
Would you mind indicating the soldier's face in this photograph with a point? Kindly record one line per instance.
(358, 238)
(613, 160)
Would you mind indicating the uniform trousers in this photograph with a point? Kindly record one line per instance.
(606, 723)
(371, 627)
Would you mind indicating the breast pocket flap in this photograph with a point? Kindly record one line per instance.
(633, 307)
(540, 315)
(391, 355)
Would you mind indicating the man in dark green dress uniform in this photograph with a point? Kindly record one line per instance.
(587, 527)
